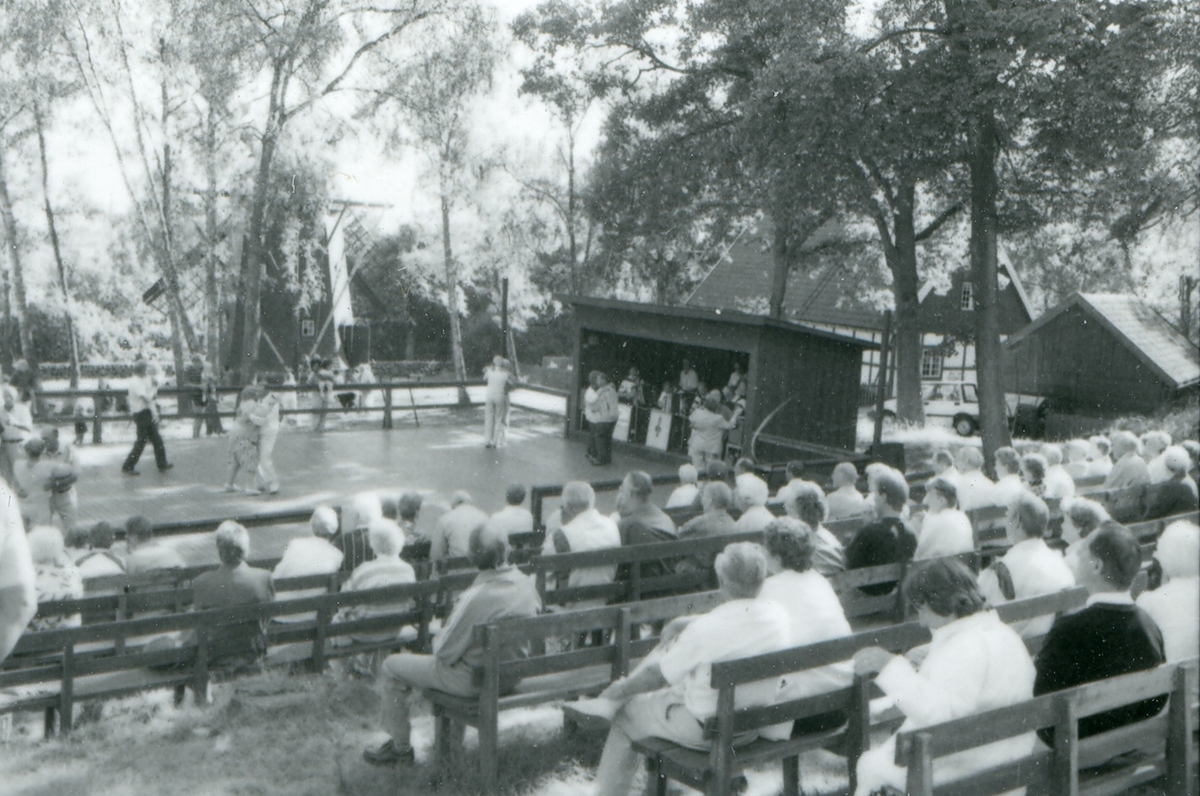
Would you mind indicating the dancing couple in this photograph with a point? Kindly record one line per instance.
(252, 440)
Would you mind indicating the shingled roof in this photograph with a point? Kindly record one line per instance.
(826, 295)
(1140, 328)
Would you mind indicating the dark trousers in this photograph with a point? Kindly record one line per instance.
(147, 429)
(600, 447)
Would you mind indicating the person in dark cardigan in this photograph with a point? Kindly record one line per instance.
(1111, 636)
(888, 540)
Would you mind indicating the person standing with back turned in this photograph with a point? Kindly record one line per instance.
(143, 392)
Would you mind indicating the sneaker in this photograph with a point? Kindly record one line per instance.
(389, 754)
(129, 471)
(600, 707)
(166, 467)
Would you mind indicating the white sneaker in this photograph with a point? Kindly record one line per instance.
(600, 707)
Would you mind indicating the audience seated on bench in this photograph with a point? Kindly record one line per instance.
(1175, 605)
(975, 663)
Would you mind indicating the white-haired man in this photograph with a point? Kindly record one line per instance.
(1178, 494)
(310, 555)
(1099, 461)
(500, 591)
(583, 529)
(1059, 483)
(452, 536)
(669, 695)
(751, 498)
(1154, 445)
(845, 500)
(689, 486)
(1129, 468)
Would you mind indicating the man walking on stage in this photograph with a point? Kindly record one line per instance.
(143, 391)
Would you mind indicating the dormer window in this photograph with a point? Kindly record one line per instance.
(967, 302)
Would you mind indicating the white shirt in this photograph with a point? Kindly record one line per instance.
(1175, 607)
(99, 566)
(590, 530)
(737, 629)
(1058, 483)
(1007, 489)
(452, 537)
(1035, 570)
(946, 533)
(754, 519)
(975, 491)
(815, 614)
(513, 519)
(16, 564)
(1102, 466)
(845, 501)
(142, 391)
(974, 664)
(1157, 467)
(497, 380)
(683, 495)
(303, 556)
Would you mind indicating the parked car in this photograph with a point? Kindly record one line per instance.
(953, 402)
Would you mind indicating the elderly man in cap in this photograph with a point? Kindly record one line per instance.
(311, 555)
(500, 591)
(669, 695)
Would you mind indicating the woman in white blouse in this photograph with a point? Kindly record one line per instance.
(945, 530)
(975, 663)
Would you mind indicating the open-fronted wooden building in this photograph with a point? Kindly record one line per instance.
(804, 382)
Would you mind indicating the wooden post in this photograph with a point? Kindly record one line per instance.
(412, 399)
(97, 431)
(200, 668)
(535, 507)
(66, 697)
(920, 766)
(489, 704)
(1064, 771)
(620, 666)
(387, 408)
(1181, 729)
(318, 651)
(722, 749)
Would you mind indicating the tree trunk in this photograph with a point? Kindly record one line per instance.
(572, 244)
(212, 308)
(73, 342)
(456, 349)
(781, 259)
(19, 305)
(252, 263)
(906, 285)
(982, 152)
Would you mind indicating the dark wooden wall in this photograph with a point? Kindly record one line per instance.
(1079, 364)
(821, 375)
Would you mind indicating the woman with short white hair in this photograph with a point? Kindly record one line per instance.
(945, 530)
(1175, 605)
(807, 503)
(1178, 494)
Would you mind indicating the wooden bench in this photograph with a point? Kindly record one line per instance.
(111, 659)
(713, 772)
(550, 676)
(1163, 747)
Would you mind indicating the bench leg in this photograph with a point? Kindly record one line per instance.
(656, 781)
(442, 739)
(48, 723)
(791, 776)
(488, 747)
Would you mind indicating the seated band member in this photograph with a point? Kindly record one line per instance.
(975, 663)
(500, 591)
(1030, 567)
(1110, 636)
(669, 694)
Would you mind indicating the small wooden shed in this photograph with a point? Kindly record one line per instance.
(1100, 354)
(805, 379)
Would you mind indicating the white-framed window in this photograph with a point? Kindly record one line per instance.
(308, 327)
(967, 302)
(931, 362)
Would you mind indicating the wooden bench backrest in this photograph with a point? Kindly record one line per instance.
(1057, 771)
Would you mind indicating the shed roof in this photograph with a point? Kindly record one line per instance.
(722, 315)
(1139, 327)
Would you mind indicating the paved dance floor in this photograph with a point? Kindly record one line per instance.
(437, 458)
